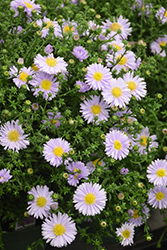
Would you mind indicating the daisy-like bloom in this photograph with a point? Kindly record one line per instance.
(157, 197)
(49, 23)
(80, 52)
(161, 15)
(116, 43)
(48, 49)
(90, 198)
(116, 144)
(119, 23)
(28, 5)
(59, 229)
(157, 172)
(12, 136)
(136, 85)
(117, 93)
(124, 171)
(5, 175)
(91, 165)
(77, 170)
(46, 83)
(138, 219)
(127, 233)
(142, 141)
(83, 85)
(54, 149)
(145, 8)
(22, 78)
(94, 108)
(53, 119)
(98, 76)
(70, 26)
(39, 207)
(49, 64)
(155, 46)
(121, 60)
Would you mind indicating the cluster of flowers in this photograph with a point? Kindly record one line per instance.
(106, 87)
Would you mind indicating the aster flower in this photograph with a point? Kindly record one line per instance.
(70, 26)
(157, 197)
(80, 52)
(28, 5)
(161, 14)
(157, 172)
(121, 59)
(35, 106)
(39, 207)
(136, 85)
(83, 85)
(98, 76)
(139, 219)
(90, 198)
(54, 149)
(94, 108)
(59, 230)
(49, 23)
(48, 49)
(142, 141)
(46, 83)
(50, 64)
(116, 44)
(155, 46)
(119, 23)
(117, 93)
(91, 165)
(77, 170)
(5, 175)
(22, 78)
(116, 144)
(53, 119)
(124, 171)
(145, 8)
(12, 136)
(127, 233)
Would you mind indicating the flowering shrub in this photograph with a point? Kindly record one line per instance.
(82, 133)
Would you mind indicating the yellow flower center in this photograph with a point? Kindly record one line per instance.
(75, 170)
(142, 7)
(96, 109)
(115, 27)
(58, 151)
(49, 23)
(41, 201)
(51, 61)
(117, 145)
(126, 233)
(161, 172)
(159, 196)
(97, 161)
(89, 199)
(117, 47)
(13, 135)
(23, 76)
(163, 43)
(131, 85)
(59, 229)
(46, 84)
(28, 5)
(34, 67)
(53, 121)
(135, 215)
(165, 14)
(67, 28)
(98, 76)
(116, 92)
(122, 60)
(143, 140)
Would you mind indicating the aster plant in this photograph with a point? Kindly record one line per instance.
(82, 140)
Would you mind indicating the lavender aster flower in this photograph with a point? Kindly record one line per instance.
(116, 144)
(83, 85)
(126, 232)
(157, 197)
(80, 52)
(54, 149)
(155, 46)
(124, 171)
(90, 198)
(49, 23)
(39, 207)
(35, 106)
(157, 172)
(59, 229)
(22, 78)
(161, 15)
(28, 5)
(98, 76)
(48, 49)
(5, 175)
(12, 136)
(53, 119)
(77, 170)
(138, 218)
